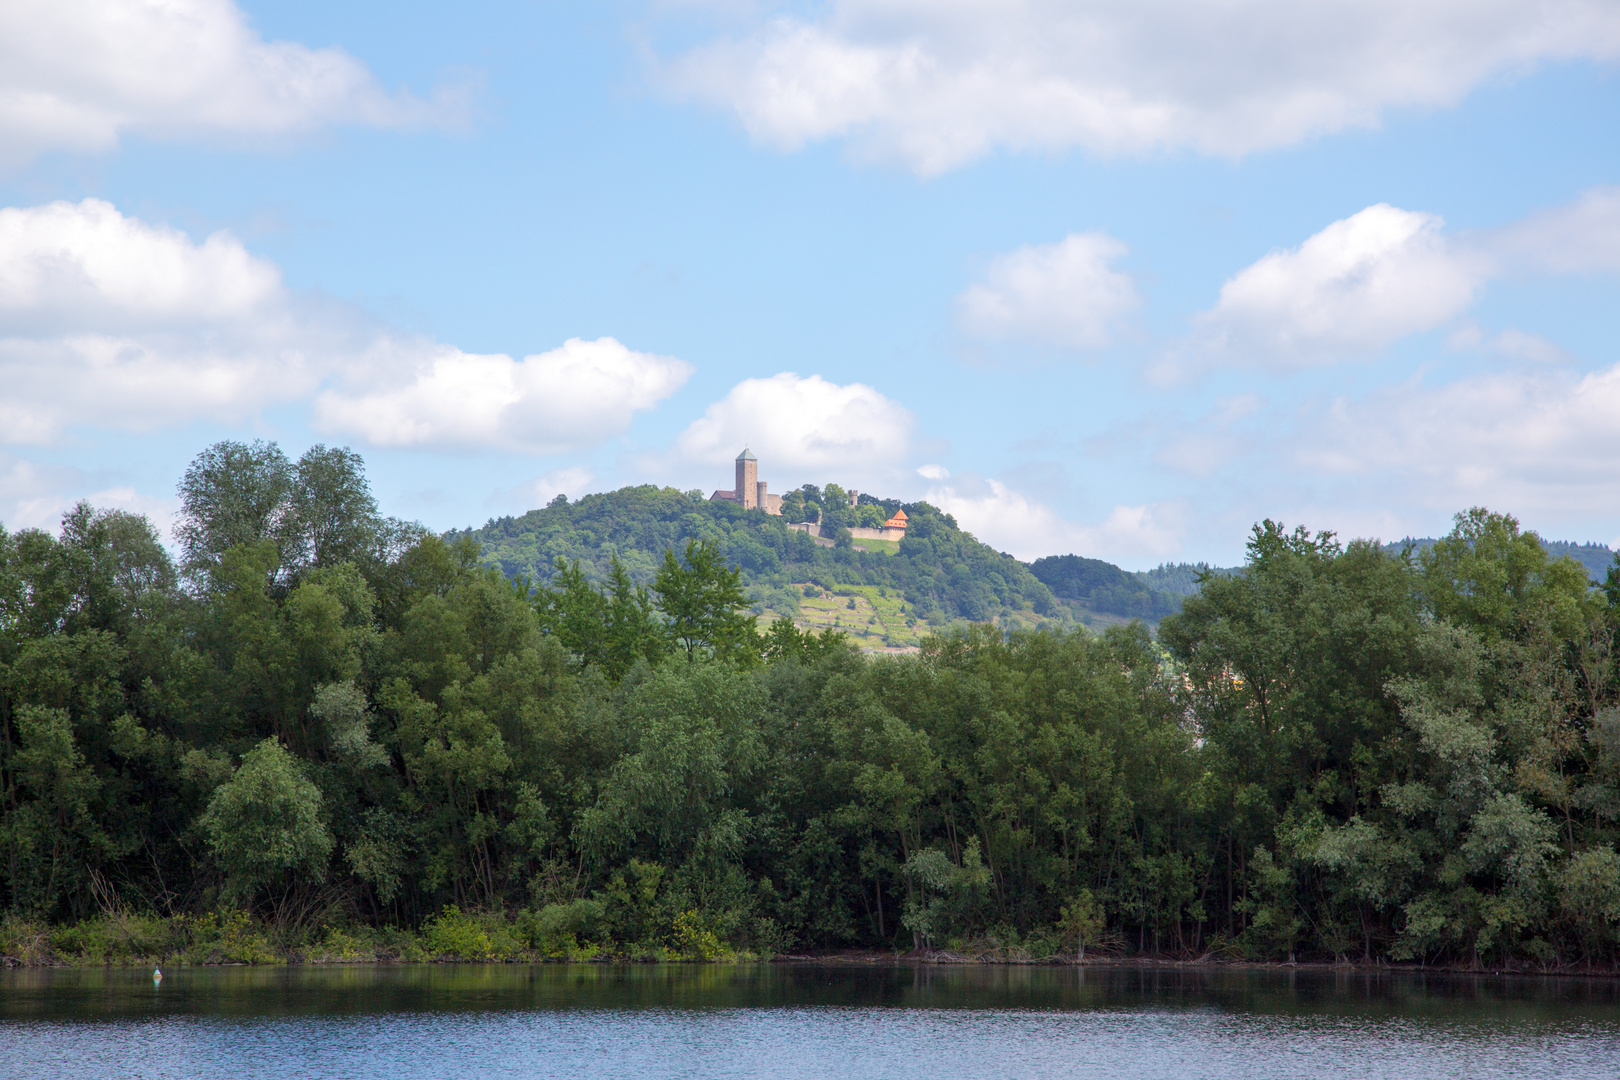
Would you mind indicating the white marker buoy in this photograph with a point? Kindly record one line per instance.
(157, 974)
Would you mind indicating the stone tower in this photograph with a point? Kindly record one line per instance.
(748, 486)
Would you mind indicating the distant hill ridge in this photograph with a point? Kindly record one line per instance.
(1597, 558)
(938, 575)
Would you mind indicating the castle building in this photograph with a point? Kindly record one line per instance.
(750, 489)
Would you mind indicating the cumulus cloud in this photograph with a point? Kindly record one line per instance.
(1066, 294)
(1371, 279)
(107, 321)
(935, 85)
(1354, 287)
(1011, 521)
(805, 424)
(580, 394)
(75, 74)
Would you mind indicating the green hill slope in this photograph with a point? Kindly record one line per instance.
(936, 576)
(1104, 588)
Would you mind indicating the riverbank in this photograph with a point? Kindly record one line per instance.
(234, 938)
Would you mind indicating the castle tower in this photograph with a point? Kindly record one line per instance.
(748, 488)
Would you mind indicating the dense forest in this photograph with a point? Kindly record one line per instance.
(324, 733)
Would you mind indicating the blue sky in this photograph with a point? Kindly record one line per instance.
(1117, 279)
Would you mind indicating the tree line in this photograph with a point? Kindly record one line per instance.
(316, 715)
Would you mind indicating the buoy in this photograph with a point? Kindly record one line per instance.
(157, 974)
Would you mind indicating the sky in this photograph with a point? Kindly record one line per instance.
(1118, 278)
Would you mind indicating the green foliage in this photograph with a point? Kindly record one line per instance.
(943, 895)
(1103, 587)
(611, 626)
(264, 825)
(702, 601)
(1338, 750)
(450, 935)
(694, 940)
(230, 937)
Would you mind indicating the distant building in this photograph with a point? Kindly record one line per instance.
(750, 489)
(896, 522)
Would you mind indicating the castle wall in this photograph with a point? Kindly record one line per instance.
(896, 535)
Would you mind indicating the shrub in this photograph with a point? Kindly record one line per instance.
(451, 935)
(230, 937)
(695, 941)
(24, 941)
(556, 929)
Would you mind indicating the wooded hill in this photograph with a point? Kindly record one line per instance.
(881, 594)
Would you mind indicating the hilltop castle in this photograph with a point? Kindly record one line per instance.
(750, 490)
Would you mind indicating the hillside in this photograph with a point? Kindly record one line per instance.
(1104, 588)
(936, 576)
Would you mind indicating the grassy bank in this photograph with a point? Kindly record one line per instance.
(557, 932)
(235, 938)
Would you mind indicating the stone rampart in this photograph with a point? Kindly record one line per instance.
(896, 535)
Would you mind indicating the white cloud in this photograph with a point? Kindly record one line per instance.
(933, 472)
(1356, 286)
(1543, 439)
(1011, 521)
(1579, 237)
(580, 394)
(1371, 279)
(106, 321)
(84, 266)
(1065, 294)
(75, 74)
(935, 85)
(802, 424)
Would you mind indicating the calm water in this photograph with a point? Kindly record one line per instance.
(795, 1021)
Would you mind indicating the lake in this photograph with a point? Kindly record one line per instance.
(801, 1020)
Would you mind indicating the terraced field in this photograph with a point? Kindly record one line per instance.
(874, 617)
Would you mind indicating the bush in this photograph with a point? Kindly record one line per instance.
(25, 942)
(229, 937)
(451, 935)
(556, 930)
(695, 941)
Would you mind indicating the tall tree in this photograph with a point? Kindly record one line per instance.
(236, 493)
(333, 506)
(703, 600)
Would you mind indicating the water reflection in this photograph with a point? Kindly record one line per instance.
(797, 1020)
(89, 993)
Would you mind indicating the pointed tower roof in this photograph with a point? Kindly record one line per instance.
(746, 455)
